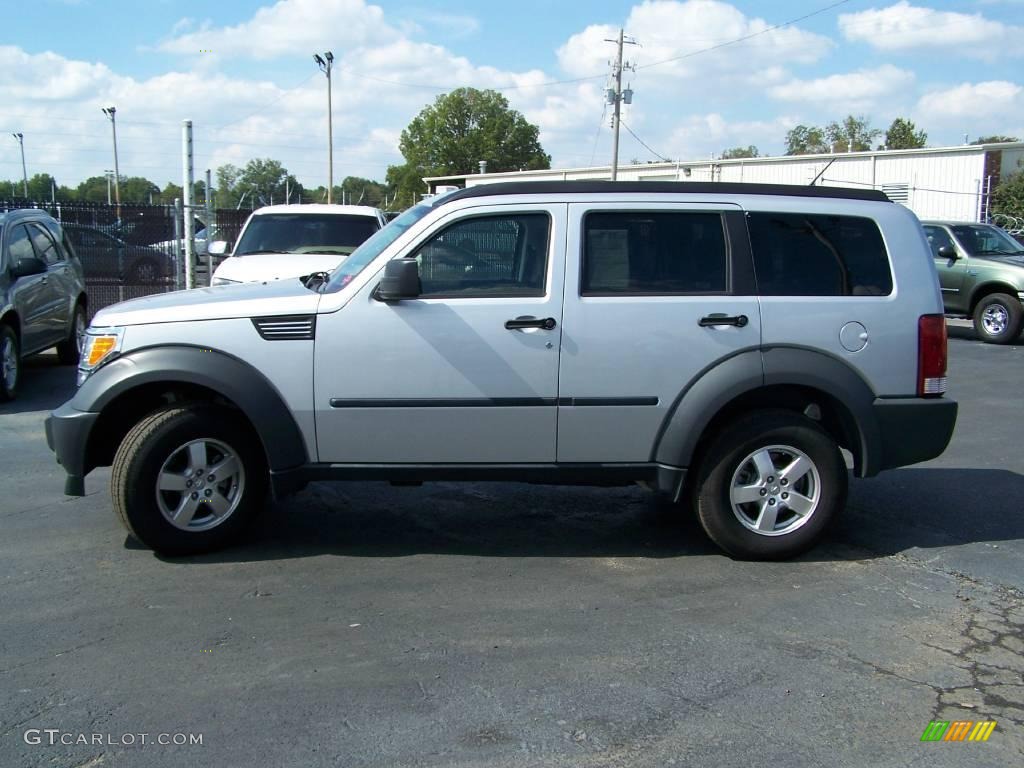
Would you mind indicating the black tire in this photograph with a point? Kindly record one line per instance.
(158, 439)
(997, 318)
(144, 271)
(69, 351)
(9, 346)
(729, 457)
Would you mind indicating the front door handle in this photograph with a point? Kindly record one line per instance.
(547, 323)
(720, 318)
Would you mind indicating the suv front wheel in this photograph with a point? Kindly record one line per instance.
(188, 479)
(770, 485)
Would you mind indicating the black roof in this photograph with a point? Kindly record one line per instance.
(663, 187)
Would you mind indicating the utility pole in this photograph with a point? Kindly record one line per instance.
(24, 173)
(616, 97)
(111, 112)
(325, 65)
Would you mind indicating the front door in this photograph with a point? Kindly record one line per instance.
(951, 271)
(664, 292)
(467, 372)
(30, 293)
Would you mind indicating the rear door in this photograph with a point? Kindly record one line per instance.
(655, 293)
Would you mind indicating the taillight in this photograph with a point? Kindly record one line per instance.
(931, 356)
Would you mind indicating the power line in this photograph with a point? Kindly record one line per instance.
(744, 38)
(656, 154)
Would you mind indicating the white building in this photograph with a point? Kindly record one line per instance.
(936, 183)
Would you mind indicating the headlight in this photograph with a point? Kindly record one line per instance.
(224, 281)
(101, 345)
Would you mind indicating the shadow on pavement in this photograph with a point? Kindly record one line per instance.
(897, 511)
(45, 384)
(967, 333)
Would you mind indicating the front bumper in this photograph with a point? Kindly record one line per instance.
(913, 429)
(67, 434)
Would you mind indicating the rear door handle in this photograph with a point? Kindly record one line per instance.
(720, 318)
(547, 323)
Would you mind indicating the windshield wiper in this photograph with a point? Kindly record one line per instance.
(253, 253)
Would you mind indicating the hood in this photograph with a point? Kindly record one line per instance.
(1002, 261)
(285, 297)
(276, 266)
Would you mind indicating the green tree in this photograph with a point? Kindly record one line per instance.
(994, 139)
(739, 152)
(262, 181)
(457, 131)
(903, 134)
(226, 181)
(94, 189)
(853, 134)
(136, 189)
(806, 140)
(9, 190)
(171, 192)
(1008, 197)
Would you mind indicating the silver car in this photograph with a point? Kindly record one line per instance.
(42, 294)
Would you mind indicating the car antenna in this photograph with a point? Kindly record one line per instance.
(822, 172)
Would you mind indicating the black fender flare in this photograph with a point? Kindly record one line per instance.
(715, 387)
(236, 380)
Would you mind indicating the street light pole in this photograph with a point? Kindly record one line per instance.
(325, 64)
(110, 112)
(24, 173)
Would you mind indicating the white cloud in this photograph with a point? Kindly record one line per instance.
(986, 102)
(854, 91)
(289, 28)
(903, 27)
(669, 29)
(700, 136)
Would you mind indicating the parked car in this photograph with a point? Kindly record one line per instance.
(717, 342)
(105, 256)
(285, 241)
(981, 271)
(42, 294)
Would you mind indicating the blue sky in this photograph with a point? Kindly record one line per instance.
(243, 72)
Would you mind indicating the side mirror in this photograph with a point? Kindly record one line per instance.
(948, 252)
(217, 247)
(401, 281)
(27, 266)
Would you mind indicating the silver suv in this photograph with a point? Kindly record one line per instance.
(719, 342)
(42, 294)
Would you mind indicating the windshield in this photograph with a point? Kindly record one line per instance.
(373, 247)
(986, 240)
(305, 233)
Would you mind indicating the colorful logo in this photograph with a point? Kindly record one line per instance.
(958, 730)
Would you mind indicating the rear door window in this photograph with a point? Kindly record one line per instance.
(654, 253)
(799, 254)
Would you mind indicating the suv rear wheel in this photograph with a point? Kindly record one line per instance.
(10, 363)
(997, 318)
(770, 485)
(188, 479)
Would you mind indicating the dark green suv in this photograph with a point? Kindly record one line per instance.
(981, 270)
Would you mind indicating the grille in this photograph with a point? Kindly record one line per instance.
(288, 328)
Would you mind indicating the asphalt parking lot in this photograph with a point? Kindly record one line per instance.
(505, 624)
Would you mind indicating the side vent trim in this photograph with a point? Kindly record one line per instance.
(286, 327)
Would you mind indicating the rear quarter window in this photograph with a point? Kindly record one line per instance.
(797, 254)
